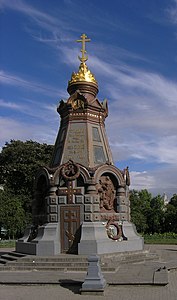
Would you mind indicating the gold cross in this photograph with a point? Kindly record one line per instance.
(83, 51)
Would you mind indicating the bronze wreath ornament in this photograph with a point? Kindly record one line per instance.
(110, 234)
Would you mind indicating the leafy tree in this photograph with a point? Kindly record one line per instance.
(147, 212)
(150, 215)
(156, 215)
(140, 209)
(12, 214)
(173, 200)
(19, 162)
(170, 215)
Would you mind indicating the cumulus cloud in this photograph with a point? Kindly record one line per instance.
(157, 181)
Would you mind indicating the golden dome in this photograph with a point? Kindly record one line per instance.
(83, 74)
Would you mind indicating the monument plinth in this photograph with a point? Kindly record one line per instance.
(81, 202)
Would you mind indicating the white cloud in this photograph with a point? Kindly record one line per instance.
(13, 129)
(159, 181)
(10, 105)
(53, 28)
(23, 7)
(172, 11)
(142, 180)
(19, 82)
(143, 113)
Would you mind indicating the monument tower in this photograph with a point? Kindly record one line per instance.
(81, 200)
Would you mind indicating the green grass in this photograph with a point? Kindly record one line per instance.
(7, 243)
(161, 238)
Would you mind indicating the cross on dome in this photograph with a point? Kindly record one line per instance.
(83, 40)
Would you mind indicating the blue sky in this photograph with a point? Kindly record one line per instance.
(133, 54)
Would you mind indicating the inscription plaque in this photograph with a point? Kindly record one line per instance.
(76, 145)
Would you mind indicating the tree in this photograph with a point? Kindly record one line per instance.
(140, 209)
(173, 200)
(170, 215)
(147, 212)
(19, 162)
(155, 219)
(12, 214)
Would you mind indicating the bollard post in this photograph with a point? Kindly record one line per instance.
(94, 283)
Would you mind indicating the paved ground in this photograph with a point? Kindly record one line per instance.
(69, 291)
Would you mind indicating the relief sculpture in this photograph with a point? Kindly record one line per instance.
(107, 194)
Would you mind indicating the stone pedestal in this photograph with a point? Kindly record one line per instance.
(45, 244)
(94, 239)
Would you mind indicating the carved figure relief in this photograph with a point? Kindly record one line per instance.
(107, 194)
(77, 103)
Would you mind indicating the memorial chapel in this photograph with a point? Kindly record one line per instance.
(81, 202)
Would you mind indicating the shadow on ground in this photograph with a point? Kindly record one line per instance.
(72, 285)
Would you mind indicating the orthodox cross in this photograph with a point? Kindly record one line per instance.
(83, 40)
(70, 216)
(70, 191)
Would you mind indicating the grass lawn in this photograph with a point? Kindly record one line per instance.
(158, 238)
(7, 243)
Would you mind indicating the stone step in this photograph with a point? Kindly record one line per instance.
(3, 261)
(37, 268)
(8, 257)
(140, 258)
(70, 263)
(53, 259)
(17, 254)
(52, 264)
(52, 268)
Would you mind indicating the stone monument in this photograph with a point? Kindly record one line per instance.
(81, 200)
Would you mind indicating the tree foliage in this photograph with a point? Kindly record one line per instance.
(140, 207)
(147, 211)
(12, 214)
(19, 162)
(170, 222)
(156, 215)
(150, 215)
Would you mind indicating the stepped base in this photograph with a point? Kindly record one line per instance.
(94, 240)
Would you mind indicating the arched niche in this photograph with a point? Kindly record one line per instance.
(108, 180)
(114, 173)
(39, 206)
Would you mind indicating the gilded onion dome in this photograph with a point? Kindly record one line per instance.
(83, 74)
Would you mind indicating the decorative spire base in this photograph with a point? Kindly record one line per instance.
(83, 87)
